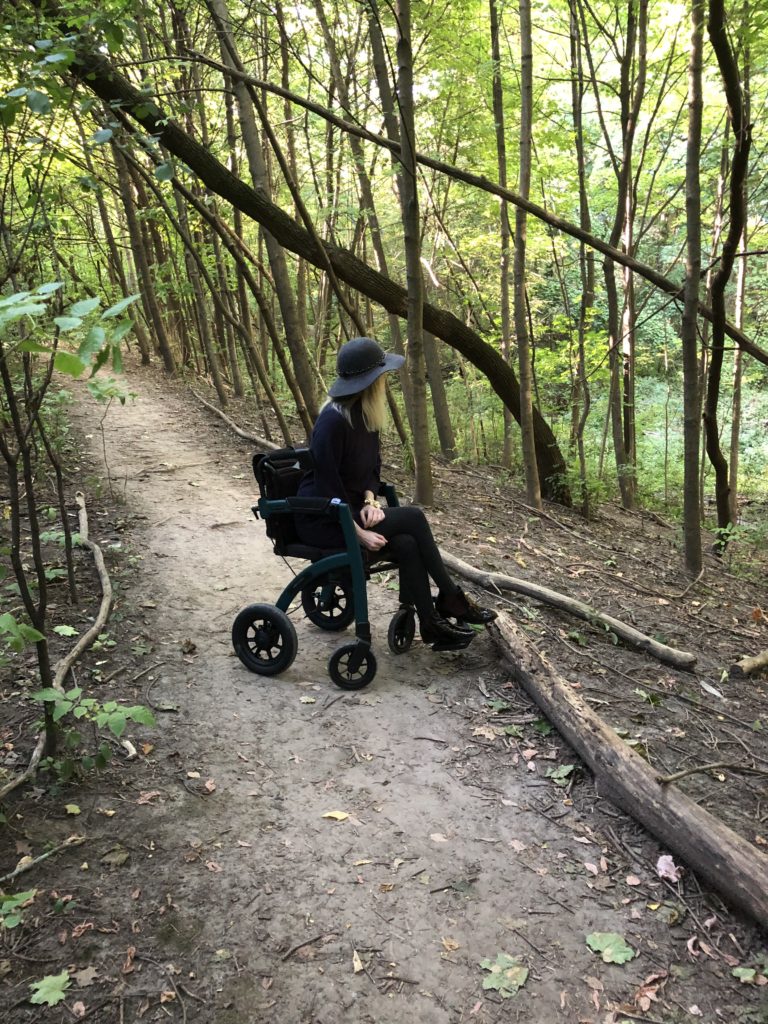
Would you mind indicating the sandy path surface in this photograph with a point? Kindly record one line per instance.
(452, 852)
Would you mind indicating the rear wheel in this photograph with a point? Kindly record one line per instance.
(264, 639)
(328, 603)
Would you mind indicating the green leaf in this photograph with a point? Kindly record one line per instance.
(560, 775)
(38, 102)
(542, 727)
(30, 634)
(120, 330)
(67, 362)
(120, 306)
(51, 989)
(746, 975)
(507, 975)
(67, 323)
(33, 346)
(65, 630)
(498, 705)
(48, 694)
(513, 730)
(84, 306)
(49, 287)
(17, 93)
(612, 946)
(164, 171)
(101, 136)
(93, 343)
(141, 715)
(116, 723)
(72, 809)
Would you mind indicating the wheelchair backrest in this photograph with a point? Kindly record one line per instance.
(278, 475)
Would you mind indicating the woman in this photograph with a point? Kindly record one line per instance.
(345, 446)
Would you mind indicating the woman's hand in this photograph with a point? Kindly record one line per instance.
(370, 515)
(370, 540)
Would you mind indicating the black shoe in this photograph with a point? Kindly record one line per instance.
(437, 630)
(464, 609)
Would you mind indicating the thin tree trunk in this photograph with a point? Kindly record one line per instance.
(409, 206)
(689, 338)
(532, 485)
(443, 423)
(505, 230)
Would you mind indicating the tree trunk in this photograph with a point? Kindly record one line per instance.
(742, 136)
(501, 156)
(443, 423)
(532, 485)
(689, 336)
(296, 342)
(409, 206)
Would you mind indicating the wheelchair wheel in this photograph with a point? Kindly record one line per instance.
(351, 678)
(402, 629)
(329, 603)
(264, 639)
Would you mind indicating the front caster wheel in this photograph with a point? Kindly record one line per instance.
(264, 639)
(402, 629)
(352, 668)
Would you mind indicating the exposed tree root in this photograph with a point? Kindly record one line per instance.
(85, 641)
(716, 852)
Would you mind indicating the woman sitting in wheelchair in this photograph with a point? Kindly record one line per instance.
(347, 464)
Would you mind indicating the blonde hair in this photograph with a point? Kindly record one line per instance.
(373, 405)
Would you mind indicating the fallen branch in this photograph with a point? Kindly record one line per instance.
(725, 765)
(26, 864)
(499, 581)
(748, 666)
(261, 441)
(85, 641)
(731, 865)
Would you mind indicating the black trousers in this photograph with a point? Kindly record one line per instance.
(411, 545)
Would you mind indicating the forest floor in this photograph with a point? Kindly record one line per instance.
(210, 884)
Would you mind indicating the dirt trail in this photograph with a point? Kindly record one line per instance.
(447, 856)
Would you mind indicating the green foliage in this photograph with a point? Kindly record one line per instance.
(12, 907)
(17, 635)
(611, 947)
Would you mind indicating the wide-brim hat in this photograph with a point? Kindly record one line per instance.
(358, 363)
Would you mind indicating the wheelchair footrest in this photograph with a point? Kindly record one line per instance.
(453, 645)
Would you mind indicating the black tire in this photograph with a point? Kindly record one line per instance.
(339, 672)
(402, 629)
(329, 603)
(264, 639)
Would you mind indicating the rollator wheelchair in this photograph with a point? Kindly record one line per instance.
(332, 587)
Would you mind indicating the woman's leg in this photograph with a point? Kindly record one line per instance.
(414, 581)
(408, 520)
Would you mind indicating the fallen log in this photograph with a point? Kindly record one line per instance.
(748, 666)
(738, 871)
(499, 581)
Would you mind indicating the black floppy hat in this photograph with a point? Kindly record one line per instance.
(358, 363)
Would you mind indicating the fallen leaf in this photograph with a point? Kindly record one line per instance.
(633, 880)
(266, 983)
(167, 996)
(666, 868)
(81, 929)
(213, 866)
(115, 857)
(438, 837)
(86, 977)
(242, 842)
(517, 846)
(106, 811)
(583, 839)
(357, 963)
(386, 886)
(307, 700)
(450, 944)
(611, 946)
(695, 1011)
(128, 967)
(147, 748)
(148, 796)
(507, 975)
(210, 786)
(336, 815)
(488, 732)
(78, 1009)
(193, 775)
(72, 809)
(592, 868)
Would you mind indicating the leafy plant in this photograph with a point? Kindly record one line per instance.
(561, 775)
(12, 907)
